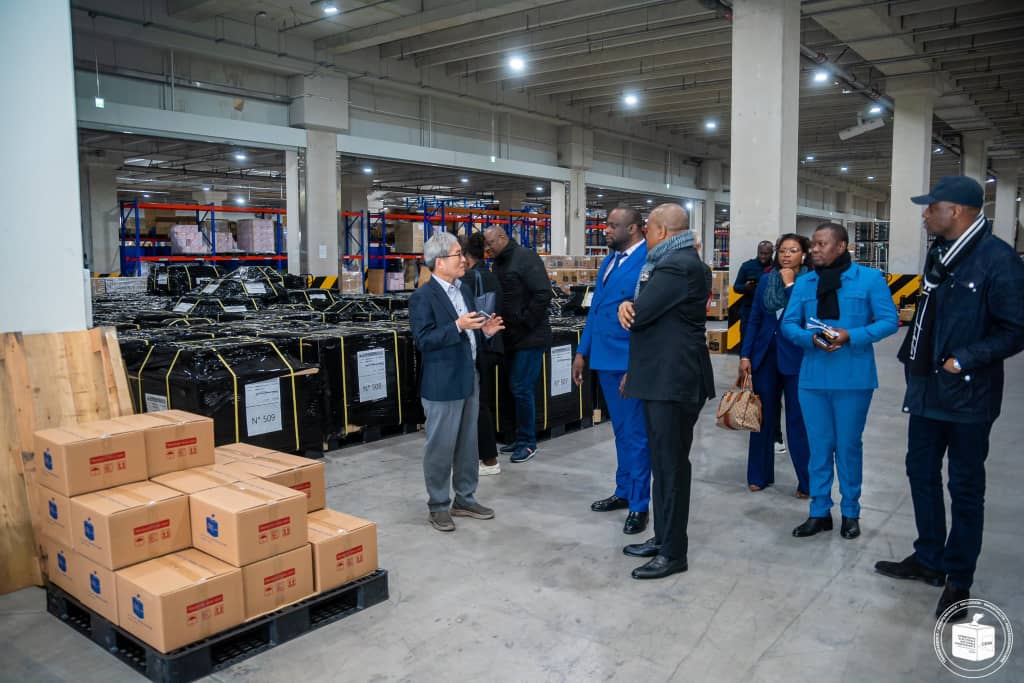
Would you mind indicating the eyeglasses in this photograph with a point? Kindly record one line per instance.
(457, 254)
(794, 250)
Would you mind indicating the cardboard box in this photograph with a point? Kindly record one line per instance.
(248, 521)
(718, 341)
(277, 581)
(53, 512)
(177, 599)
(907, 314)
(93, 585)
(128, 524)
(408, 236)
(198, 479)
(344, 548)
(295, 472)
(175, 440)
(88, 457)
(235, 451)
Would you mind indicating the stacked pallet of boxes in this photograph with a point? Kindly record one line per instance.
(572, 270)
(718, 304)
(147, 526)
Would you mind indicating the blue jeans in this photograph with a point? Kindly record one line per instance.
(633, 474)
(967, 447)
(771, 385)
(523, 371)
(835, 424)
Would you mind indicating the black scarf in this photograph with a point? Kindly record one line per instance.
(919, 346)
(829, 283)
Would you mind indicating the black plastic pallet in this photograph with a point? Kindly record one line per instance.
(551, 432)
(226, 648)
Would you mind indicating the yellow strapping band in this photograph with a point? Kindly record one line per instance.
(142, 403)
(295, 401)
(344, 385)
(167, 379)
(234, 382)
(398, 376)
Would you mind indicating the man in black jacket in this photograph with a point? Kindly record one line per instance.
(970, 317)
(526, 293)
(670, 371)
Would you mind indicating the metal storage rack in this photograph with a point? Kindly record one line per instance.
(871, 240)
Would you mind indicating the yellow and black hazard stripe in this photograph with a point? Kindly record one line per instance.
(106, 274)
(903, 287)
(326, 282)
(732, 337)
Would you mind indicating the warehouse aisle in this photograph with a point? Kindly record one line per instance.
(543, 593)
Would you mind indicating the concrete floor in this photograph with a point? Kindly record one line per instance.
(542, 593)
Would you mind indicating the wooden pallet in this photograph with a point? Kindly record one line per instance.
(47, 380)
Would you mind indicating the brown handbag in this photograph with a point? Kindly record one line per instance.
(740, 409)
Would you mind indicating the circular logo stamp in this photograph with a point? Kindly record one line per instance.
(976, 647)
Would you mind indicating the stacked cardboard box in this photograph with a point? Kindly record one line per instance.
(256, 235)
(718, 341)
(150, 526)
(718, 304)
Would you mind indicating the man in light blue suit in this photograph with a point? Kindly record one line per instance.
(606, 343)
(838, 374)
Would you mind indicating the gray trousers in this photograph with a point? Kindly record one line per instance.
(450, 455)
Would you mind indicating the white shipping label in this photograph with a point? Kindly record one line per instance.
(317, 295)
(183, 307)
(210, 289)
(254, 287)
(263, 407)
(373, 377)
(155, 402)
(161, 279)
(234, 309)
(561, 370)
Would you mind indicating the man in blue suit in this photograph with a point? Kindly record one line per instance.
(837, 375)
(451, 337)
(606, 343)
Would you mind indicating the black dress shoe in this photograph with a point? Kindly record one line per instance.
(659, 568)
(648, 548)
(608, 504)
(912, 570)
(951, 595)
(635, 523)
(850, 528)
(812, 526)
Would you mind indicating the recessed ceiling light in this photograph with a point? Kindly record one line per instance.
(493, 158)
(539, 188)
(206, 188)
(240, 156)
(990, 180)
(875, 109)
(711, 125)
(516, 63)
(631, 99)
(463, 180)
(820, 76)
(809, 157)
(844, 169)
(650, 201)
(330, 8)
(871, 177)
(367, 170)
(725, 210)
(938, 150)
(146, 196)
(689, 205)
(601, 196)
(239, 200)
(127, 132)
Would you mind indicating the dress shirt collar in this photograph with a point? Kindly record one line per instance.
(623, 255)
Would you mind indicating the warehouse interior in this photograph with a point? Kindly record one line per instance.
(204, 194)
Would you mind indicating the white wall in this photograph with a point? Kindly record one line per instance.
(41, 262)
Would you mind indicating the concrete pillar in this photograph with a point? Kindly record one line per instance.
(974, 154)
(510, 200)
(1005, 224)
(42, 258)
(911, 170)
(559, 220)
(765, 117)
(319, 205)
(101, 215)
(576, 222)
(293, 224)
(355, 191)
(707, 228)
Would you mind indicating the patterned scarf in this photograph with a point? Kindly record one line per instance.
(775, 289)
(681, 241)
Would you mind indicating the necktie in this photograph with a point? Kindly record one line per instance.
(615, 264)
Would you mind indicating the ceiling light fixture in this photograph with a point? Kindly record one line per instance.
(239, 200)
(650, 201)
(464, 180)
(809, 157)
(493, 159)
(875, 109)
(990, 180)
(820, 76)
(100, 103)
(871, 177)
(367, 170)
(711, 125)
(631, 99)
(517, 63)
(689, 205)
(330, 8)
(938, 150)
(206, 188)
(844, 169)
(601, 196)
(240, 156)
(146, 196)
(539, 188)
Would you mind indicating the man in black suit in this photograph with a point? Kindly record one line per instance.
(670, 371)
(451, 337)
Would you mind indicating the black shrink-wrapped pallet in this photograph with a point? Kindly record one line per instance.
(179, 278)
(251, 387)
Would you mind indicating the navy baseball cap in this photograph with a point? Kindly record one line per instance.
(958, 189)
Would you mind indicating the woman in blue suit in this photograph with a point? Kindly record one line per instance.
(837, 375)
(774, 363)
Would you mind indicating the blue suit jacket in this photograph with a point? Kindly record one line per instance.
(603, 340)
(866, 311)
(762, 327)
(447, 372)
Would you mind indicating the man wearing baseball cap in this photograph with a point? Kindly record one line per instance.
(970, 317)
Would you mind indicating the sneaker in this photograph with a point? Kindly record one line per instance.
(523, 454)
(474, 510)
(442, 521)
(510, 448)
(489, 469)
(780, 447)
